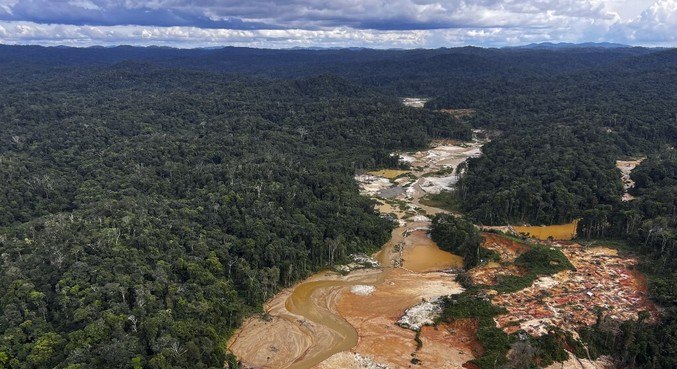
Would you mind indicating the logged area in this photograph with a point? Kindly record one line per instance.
(464, 207)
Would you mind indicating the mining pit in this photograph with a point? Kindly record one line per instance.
(367, 315)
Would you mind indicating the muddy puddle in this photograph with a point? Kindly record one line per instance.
(315, 302)
(388, 173)
(557, 231)
(426, 256)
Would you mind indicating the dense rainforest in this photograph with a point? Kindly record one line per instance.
(145, 211)
(648, 227)
(152, 197)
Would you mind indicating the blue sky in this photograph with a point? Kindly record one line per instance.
(336, 23)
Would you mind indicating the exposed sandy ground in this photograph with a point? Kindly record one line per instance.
(444, 155)
(461, 335)
(372, 184)
(506, 248)
(414, 102)
(375, 316)
(458, 113)
(626, 166)
(488, 274)
(569, 299)
(301, 327)
(271, 342)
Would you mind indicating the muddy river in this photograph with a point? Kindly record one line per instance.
(332, 320)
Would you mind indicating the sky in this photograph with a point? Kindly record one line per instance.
(337, 23)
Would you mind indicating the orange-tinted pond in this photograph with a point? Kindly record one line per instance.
(557, 232)
(388, 173)
(425, 256)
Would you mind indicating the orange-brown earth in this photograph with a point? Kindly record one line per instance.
(508, 249)
(570, 299)
(461, 334)
(602, 279)
(489, 273)
(375, 317)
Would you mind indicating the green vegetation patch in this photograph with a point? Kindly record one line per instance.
(446, 200)
(495, 342)
(539, 260)
(542, 260)
(460, 237)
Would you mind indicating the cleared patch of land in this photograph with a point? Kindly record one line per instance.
(414, 102)
(601, 280)
(626, 167)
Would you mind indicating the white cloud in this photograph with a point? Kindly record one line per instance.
(31, 33)
(656, 25)
(367, 23)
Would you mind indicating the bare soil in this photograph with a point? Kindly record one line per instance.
(626, 167)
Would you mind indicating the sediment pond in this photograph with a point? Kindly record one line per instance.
(556, 231)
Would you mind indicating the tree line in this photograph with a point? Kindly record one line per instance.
(144, 211)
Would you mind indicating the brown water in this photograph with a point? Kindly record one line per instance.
(388, 173)
(315, 301)
(557, 232)
(426, 256)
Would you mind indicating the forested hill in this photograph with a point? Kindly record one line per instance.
(144, 211)
(152, 197)
(428, 72)
(561, 136)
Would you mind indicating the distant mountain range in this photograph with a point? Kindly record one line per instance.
(569, 45)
